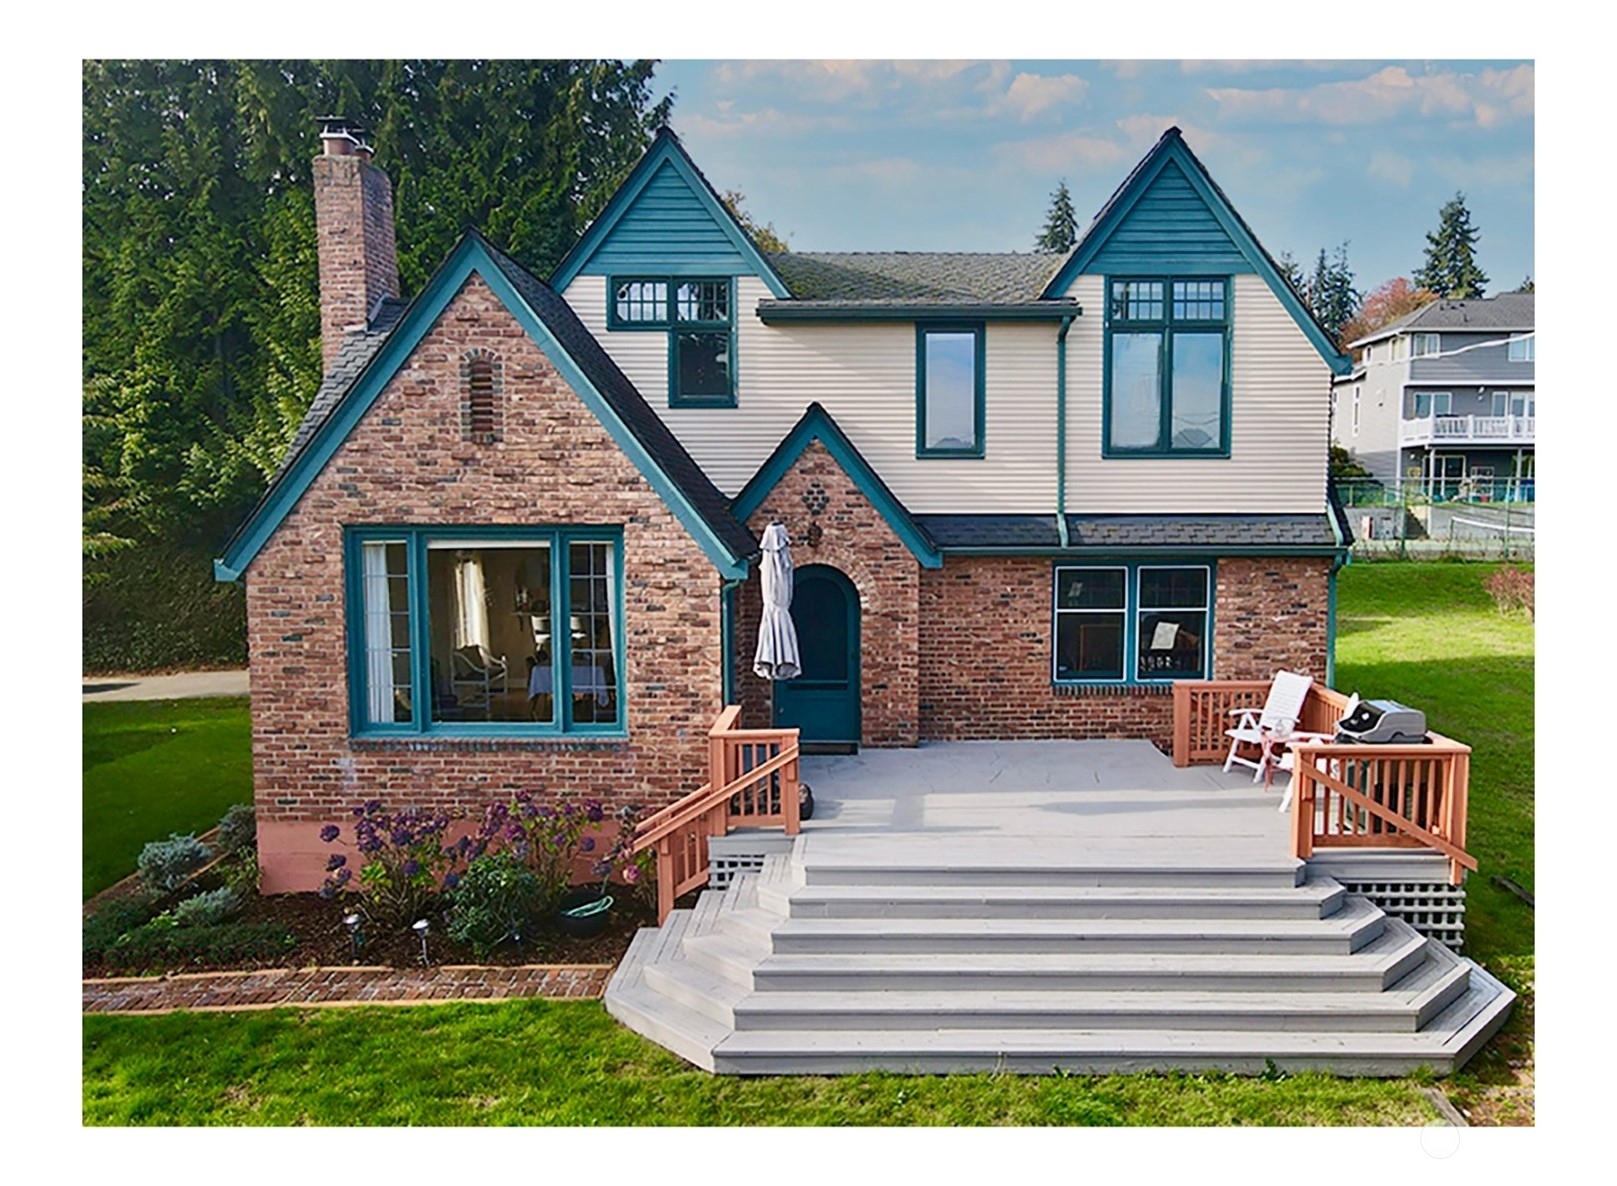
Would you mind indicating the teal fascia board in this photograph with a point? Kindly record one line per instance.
(666, 148)
(817, 425)
(1121, 552)
(773, 312)
(467, 259)
(1172, 148)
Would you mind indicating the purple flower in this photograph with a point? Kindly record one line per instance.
(587, 844)
(372, 806)
(451, 881)
(359, 811)
(327, 890)
(370, 844)
(410, 868)
(514, 831)
(330, 832)
(593, 810)
(335, 861)
(601, 868)
(342, 876)
(631, 874)
(402, 836)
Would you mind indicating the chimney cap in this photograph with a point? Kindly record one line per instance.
(341, 136)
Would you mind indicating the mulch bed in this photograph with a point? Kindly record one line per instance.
(323, 940)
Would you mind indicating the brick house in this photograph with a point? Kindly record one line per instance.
(513, 543)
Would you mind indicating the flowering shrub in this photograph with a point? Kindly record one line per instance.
(165, 864)
(551, 840)
(1512, 590)
(403, 862)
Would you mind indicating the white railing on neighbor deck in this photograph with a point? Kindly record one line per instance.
(1459, 429)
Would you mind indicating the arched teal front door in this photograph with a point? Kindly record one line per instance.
(823, 702)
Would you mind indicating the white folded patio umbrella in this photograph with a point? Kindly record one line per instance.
(777, 656)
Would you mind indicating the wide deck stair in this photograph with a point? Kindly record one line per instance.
(907, 953)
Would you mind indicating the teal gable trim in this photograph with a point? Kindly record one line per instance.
(1170, 218)
(469, 258)
(816, 424)
(666, 218)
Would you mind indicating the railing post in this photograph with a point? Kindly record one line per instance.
(790, 806)
(1302, 809)
(1181, 724)
(665, 879)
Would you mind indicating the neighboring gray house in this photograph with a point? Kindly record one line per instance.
(1440, 403)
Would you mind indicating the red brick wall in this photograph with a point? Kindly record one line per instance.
(353, 203)
(986, 648)
(856, 540)
(406, 462)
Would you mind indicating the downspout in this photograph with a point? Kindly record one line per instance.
(727, 648)
(1344, 556)
(1061, 430)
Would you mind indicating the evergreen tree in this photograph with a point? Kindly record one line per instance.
(1329, 292)
(1060, 224)
(1292, 271)
(763, 234)
(1451, 269)
(1526, 285)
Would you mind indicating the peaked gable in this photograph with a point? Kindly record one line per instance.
(816, 424)
(1169, 216)
(587, 369)
(666, 218)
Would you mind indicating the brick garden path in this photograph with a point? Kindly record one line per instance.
(342, 986)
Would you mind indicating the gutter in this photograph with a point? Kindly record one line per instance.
(1061, 428)
(778, 312)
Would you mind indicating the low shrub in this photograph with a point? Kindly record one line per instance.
(238, 829)
(106, 926)
(165, 864)
(1512, 590)
(158, 944)
(551, 841)
(497, 899)
(207, 909)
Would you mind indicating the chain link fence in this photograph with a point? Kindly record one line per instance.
(1474, 520)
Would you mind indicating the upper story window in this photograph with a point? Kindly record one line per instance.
(468, 631)
(1433, 403)
(1358, 403)
(1167, 367)
(949, 387)
(698, 314)
(1131, 623)
(1520, 349)
(1427, 344)
(1397, 347)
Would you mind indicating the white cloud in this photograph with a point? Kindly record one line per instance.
(1029, 95)
(1391, 93)
(1392, 167)
(1495, 172)
(1072, 151)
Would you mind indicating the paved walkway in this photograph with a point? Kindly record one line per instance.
(270, 989)
(185, 685)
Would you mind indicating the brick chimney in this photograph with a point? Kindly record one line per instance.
(353, 210)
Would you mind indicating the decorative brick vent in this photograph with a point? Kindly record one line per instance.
(1434, 908)
(480, 383)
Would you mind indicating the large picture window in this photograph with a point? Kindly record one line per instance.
(486, 630)
(698, 315)
(1132, 624)
(1167, 367)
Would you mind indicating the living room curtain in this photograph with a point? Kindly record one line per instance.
(378, 635)
(471, 597)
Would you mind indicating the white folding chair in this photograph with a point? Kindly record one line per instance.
(1261, 727)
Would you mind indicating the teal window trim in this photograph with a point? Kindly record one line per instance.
(672, 324)
(979, 389)
(421, 725)
(1168, 326)
(1133, 612)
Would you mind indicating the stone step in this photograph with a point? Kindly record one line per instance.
(1356, 923)
(1315, 899)
(637, 1003)
(1376, 966)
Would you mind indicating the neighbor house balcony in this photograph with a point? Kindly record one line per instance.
(1467, 430)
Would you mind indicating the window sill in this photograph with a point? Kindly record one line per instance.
(1165, 454)
(717, 401)
(422, 743)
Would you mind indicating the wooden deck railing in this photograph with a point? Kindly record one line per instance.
(1343, 796)
(752, 780)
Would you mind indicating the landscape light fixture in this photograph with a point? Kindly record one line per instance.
(420, 928)
(356, 937)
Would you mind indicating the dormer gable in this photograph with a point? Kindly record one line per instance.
(666, 219)
(1169, 217)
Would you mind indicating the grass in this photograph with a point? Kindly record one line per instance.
(1428, 635)
(1423, 633)
(156, 767)
(569, 1063)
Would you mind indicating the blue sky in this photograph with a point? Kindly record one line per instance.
(963, 155)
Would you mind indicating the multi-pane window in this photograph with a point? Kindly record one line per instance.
(514, 630)
(698, 316)
(949, 391)
(1433, 403)
(1167, 387)
(1426, 344)
(1520, 349)
(1131, 623)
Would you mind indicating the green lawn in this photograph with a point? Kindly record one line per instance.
(569, 1063)
(1428, 635)
(155, 767)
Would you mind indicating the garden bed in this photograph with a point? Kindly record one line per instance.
(318, 936)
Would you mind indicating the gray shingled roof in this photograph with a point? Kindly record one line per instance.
(915, 277)
(1507, 311)
(353, 356)
(1099, 532)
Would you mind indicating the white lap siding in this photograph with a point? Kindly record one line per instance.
(864, 375)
